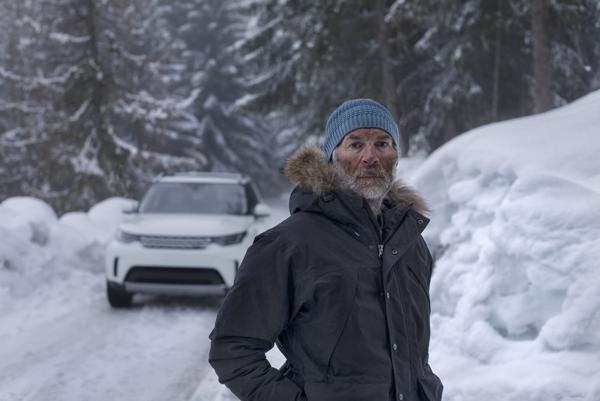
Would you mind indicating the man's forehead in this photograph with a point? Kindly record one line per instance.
(368, 133)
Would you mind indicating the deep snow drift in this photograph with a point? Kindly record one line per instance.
(37, 247)
(516, 225)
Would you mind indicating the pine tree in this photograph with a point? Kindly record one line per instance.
(574, 29)
(443, 67)
(542, 65)
(99, 97)
(79, 67)
(231, 137)
(309, 57)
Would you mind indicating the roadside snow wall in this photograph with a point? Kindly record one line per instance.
(516, 227)
(38, 247)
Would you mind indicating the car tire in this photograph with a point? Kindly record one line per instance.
(117, 296)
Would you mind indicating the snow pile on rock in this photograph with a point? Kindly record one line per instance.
(516, 227)
(37, 246)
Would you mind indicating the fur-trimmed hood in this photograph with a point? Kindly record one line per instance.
(308, 169)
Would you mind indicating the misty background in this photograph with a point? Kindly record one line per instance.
(98, 97)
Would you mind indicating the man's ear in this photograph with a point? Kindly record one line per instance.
(397, 153)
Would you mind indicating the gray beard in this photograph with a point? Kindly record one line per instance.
(372, 190)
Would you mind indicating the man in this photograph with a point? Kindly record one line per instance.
(341, 285)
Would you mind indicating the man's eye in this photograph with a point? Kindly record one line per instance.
(355, 145)
(382, 144)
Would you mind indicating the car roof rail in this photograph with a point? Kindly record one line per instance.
(241, 178)
(208, 174)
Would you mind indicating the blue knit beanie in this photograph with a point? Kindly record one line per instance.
(355, 114)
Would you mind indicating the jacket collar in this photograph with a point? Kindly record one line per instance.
(315, 177)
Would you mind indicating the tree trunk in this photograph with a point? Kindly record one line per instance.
(497, 58)
(542, 63)
(388, 81)
(111, 159)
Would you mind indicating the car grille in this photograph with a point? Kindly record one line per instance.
(168, 242)
(172, 275)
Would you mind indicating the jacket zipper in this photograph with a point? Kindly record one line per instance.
(378, 229)
(380, 245)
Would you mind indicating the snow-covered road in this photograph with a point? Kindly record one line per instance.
(58, 347)
(61, 341)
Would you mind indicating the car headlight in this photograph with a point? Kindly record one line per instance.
(126, 237)
(229, 239)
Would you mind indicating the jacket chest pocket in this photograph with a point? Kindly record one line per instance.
(417, 282)
(334, 288)
(323, 318)
(413, 289)
(361, 352)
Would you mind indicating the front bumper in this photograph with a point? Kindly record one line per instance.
(211, 270)
(176, 289)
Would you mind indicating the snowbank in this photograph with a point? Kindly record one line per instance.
(516, 228)
(37, 246)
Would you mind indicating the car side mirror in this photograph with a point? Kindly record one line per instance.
(131, 208)
(262, 210)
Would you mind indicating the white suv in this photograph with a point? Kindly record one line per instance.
(187, 237)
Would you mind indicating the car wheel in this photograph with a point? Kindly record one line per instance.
(117, 296)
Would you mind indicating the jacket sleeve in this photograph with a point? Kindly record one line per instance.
(255, 311)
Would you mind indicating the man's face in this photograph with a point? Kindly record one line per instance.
(365, 161)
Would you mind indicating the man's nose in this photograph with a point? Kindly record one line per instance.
(369, 156)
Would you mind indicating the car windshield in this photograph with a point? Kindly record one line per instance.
(211, 198)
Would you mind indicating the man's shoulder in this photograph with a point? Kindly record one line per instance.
(293, 229)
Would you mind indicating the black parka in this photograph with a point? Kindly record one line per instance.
(345, 298)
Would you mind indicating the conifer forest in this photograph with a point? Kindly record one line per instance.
(98, 97)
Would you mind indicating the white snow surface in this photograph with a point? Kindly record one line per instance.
(39, 247)
(515, 224)
(60, 339)
(515, 227)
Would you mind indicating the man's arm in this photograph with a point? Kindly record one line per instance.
(253, 314)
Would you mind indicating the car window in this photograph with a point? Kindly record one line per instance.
(211, 198)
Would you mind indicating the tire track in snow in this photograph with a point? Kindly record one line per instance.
(154, 352)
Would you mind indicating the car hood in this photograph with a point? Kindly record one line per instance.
(186, 225)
